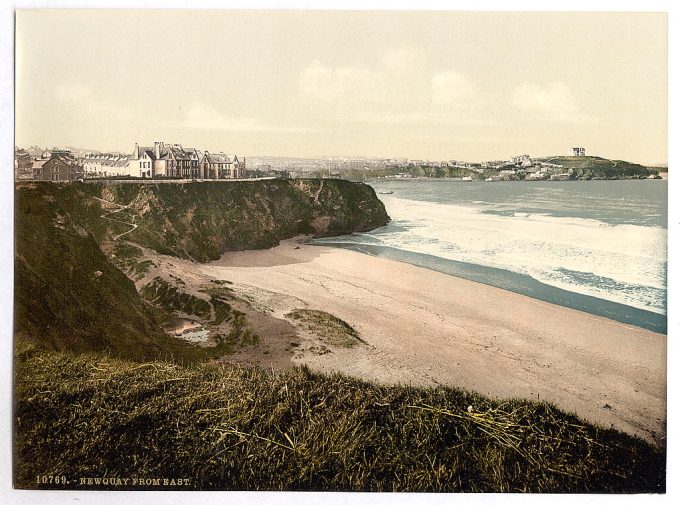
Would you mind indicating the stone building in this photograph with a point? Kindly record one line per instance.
(173, 160)
(60, 167)
(523, 160)
(222, 166)
(23, 164)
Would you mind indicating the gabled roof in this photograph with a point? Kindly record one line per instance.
(148, 151)
(220, 158)
(64, 158)
(178, 153)
(193, 153)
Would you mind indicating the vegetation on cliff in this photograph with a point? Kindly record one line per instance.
(328, 328)
(174, 298)
(579, 168)
(594, 167)
(73, 242)
(248, 429)
(203, 220)
(68, 294)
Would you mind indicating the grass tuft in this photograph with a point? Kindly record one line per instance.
(172, 297)
(249, 429)
(327, 327)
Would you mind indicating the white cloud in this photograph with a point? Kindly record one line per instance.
(553, 102)
(326, 86)
(450, 89)
(90, 106)
(204, 117)
(399, 89)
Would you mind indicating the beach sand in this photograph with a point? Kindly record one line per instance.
(427, 328)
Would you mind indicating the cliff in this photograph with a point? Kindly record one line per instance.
(594, 167)
(203, 220)
(70, 293)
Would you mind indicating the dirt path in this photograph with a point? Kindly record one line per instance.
(316, 195)
(119, 208)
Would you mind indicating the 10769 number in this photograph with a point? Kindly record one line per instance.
(51, 479)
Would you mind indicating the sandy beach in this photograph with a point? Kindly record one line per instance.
(426, 328)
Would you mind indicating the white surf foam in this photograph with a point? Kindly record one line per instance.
(621, 263)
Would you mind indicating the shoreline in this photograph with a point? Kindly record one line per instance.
(427, 328)
(514, 282)
(458, 179)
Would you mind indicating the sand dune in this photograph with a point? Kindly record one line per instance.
(425, 327)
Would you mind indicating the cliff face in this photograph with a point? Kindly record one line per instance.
(203, 220)
(70, 295)
(340, 207)
(594, 167)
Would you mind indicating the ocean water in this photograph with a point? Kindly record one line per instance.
(597, 246)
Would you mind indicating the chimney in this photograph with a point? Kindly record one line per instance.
(157, 149)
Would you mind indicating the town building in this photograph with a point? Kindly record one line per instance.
(523, 160)
(536, 176)
(23, 164)
(141, 161)
(222, 166)
(194, 171)
(21, 159)
(578, 151)
(106, 165)
(59, 167)
(172, 160)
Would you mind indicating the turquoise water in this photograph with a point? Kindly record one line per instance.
(596, 246)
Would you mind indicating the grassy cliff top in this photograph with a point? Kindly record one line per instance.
(249, 429)
(595, 163)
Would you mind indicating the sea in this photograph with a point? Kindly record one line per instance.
(595, 246)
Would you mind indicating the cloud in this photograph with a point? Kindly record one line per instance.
(91, 106)
(450, 89)
(400, 89)
(552, 102)
(326, 86)
(204, 117)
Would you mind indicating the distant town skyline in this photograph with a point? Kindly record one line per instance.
(310, 84)
(324, 157)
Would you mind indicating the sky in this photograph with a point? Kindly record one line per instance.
(426, 85)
